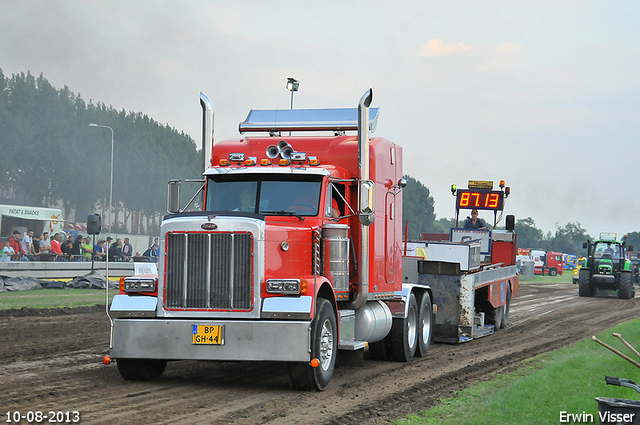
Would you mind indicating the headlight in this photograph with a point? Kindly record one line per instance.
(283, 286)
(136, 284)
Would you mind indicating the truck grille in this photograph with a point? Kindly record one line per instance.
(209, 271)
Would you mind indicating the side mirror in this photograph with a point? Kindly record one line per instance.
(367, 202)
(173, 199)
(402, 183)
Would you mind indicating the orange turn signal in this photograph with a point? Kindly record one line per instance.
(265, 161)
(121, 284)
(314, 363)
(224, 162)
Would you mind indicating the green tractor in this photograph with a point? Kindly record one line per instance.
(607, 267)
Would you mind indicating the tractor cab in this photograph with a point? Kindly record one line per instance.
(608, 254)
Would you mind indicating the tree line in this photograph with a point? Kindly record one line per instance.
(52, 156)
(418, 211)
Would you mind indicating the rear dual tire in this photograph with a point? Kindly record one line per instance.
(409, 337)
(425, 325)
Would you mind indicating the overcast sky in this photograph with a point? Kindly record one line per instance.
(542, 94)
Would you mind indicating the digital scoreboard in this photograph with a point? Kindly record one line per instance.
(480, 199)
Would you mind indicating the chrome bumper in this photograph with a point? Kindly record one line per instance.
(171, 339)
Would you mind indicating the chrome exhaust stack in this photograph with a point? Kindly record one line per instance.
(365, 199)
(207, 131)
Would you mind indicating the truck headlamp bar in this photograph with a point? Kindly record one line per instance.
(139, 284)
(283, 286)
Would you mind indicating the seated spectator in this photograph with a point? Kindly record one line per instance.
(98, 252)
(87, 249)
(45, 244)
(14, 241)
(115, 250)
(152, 253)
(67, 248)
(56, 248)
(35, 243)
(127, 250)
(7, 251)
(27, 243)
(77, 248)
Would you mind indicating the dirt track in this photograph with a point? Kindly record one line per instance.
(51, 360)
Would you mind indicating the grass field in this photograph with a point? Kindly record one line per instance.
(567, 380)
(566, 277)
(54, 298)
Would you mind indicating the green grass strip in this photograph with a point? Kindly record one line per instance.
(566, 380)
(54, 298)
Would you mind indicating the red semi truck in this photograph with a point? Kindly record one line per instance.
(296, 256)
(547, 262)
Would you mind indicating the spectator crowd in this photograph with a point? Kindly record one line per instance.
(63, 247)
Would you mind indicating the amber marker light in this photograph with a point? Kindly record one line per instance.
(265, 161)
(106, 360)
(315, 363)
(224, 162)
(284, 161)
(121, 284)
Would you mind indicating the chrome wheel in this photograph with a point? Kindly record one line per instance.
(326, 344)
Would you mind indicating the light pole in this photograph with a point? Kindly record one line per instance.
(111, 180)
(292, 85)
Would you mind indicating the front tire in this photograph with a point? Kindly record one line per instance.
(324, 347)
(625, 286)
(425, 325)
(584, 284)
(141, 369)
(553, 272)
(404, 333)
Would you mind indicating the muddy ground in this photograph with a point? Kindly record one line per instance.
(51, 360)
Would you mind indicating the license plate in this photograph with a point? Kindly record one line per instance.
(208, 334)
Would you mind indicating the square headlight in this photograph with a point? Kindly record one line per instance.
(283, 286)
(135, 284)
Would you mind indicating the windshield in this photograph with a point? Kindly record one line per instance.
(611, 249)
(268, 195)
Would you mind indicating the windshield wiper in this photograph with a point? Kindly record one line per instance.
(283, 212)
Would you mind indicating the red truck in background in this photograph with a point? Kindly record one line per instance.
(549, 262)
